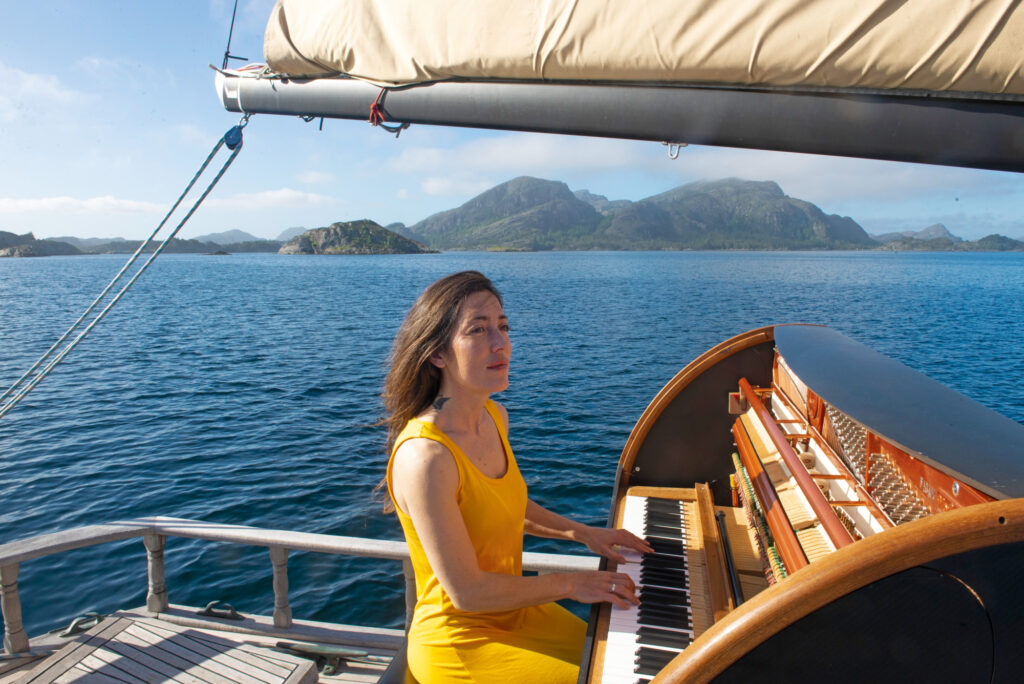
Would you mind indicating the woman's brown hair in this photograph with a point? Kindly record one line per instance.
(413, 381)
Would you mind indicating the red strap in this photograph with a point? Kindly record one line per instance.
(377, 110)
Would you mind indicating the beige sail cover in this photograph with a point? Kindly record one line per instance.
(934, 45)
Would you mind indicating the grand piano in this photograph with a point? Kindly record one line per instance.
(819, 512)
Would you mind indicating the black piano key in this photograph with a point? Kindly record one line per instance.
(655, 570)
(682, 612)
(657, 560)
(674, 603)
(647, 670)
(676, 621)
(664, 519)
(663, 578)
(663, 637)
(666, 548)
(658, 621)
(654, 656)
(655, 540)
(654, 560)
(664, 512)
(679, 640)
(663, 595)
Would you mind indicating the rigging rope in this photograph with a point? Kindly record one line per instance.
(233, 141)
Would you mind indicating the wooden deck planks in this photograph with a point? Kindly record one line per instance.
(144, 650)
(264, 662)
(222, 666)
(67, 657)
(13, 668)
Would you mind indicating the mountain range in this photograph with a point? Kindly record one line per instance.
(535, 214)
(936, 231)
(528, 213)
(235, 236)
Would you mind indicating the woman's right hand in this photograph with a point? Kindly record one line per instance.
(598, 586)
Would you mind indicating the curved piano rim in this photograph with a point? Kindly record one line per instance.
(675, 386)
(837, 575)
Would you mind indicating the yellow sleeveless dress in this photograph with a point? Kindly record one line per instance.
(538, 644)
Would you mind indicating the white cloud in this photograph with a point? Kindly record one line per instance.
(447, 186)
(316, 177)
(272, 199)
(93, 205)
(522, 153)
(24, 94)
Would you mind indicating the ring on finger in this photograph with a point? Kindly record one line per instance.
(613, 587)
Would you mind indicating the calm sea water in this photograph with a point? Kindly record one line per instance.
(243, 389)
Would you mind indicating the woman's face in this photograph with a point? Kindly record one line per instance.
(478, 357)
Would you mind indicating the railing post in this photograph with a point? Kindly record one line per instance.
(410, 591)
(15, 639)
(156, 597)
(282, 611)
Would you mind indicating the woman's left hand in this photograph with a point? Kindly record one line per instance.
(607, 542)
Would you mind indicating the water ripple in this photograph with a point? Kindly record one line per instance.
(256, 402)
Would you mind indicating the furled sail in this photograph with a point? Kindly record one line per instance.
(930, 81)
(940, 46)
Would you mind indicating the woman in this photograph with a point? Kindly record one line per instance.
(463, 506)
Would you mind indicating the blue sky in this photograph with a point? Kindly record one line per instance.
(107, 109)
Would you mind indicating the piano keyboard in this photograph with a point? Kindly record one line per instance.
(643, 639)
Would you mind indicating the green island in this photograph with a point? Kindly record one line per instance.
(353, 237)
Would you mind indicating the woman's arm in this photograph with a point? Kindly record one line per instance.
(603, 541)
(425, 480)
(540, 522)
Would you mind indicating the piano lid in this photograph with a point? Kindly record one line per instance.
(923, 417)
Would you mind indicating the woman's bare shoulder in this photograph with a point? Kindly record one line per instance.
(422, 456)
(503, 412)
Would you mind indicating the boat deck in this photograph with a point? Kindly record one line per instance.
(178, 646)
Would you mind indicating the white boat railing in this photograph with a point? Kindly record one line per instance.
(154, 532)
